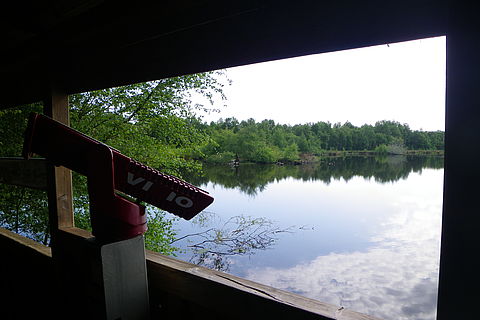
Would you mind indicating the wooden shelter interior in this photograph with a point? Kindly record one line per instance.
(52, 49)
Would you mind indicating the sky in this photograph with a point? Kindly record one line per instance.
(404, 82)
(366, 280)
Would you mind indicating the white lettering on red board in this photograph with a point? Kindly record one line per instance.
(134, 182)
(181, 201)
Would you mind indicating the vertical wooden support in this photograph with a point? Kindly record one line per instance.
(60, 211)
(59, 179)
(459, 282)
(94, 280)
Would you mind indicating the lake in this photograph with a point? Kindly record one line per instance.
(357, 232)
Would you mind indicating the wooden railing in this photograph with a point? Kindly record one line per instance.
(177, 289)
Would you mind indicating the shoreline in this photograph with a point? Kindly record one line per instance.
(311, 158)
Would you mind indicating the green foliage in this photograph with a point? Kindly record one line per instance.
(81, 202)
(397, 148)
(25, 212)
(268, 142)
(160, 233)
(290, 153)
(381, 149)
(13, 123)
(222, 157)
(21, 210)
(152, 122)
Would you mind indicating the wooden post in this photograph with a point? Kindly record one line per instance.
(59, 179)
(459, 264)
(60, 215)
(95, 280)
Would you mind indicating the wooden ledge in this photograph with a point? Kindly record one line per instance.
(236, 297)
(18, 241)
(183, 288)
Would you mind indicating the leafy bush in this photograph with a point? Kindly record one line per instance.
(221, 157)
(381, 149)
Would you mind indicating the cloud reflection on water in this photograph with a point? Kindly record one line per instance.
(396, 278)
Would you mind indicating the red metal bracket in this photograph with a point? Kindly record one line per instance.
(107, 170)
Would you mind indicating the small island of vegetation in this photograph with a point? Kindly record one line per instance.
(268, 142)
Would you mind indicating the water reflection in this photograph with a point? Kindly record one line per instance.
(215, 244)
(253, 179)
(395, 278)
(373, 236)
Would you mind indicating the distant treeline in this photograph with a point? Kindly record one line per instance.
(269, 142)
(253, 178)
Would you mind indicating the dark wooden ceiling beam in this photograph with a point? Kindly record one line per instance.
(111, 45)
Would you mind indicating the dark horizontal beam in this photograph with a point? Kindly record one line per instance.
(25, 173)
(111, 45)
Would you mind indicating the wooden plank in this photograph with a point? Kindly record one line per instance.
(25, 173)
(181, 290)
(105, 281)
(79, 275)
(56, 107)
(124, 279)
(22, 243)
(59, 179)
(60, 212)
(221, 295)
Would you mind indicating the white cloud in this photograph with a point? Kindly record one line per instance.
(394, 279)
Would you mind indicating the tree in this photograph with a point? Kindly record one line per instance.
(270, 142)
(152, 122)
(418, 140)
(21, 210)
(437, 140)
(290, 153)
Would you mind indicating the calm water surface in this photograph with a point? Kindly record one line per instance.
(360, 232)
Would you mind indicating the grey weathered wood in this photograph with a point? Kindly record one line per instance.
(25, 173)
(102, 281)
(125, 279)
